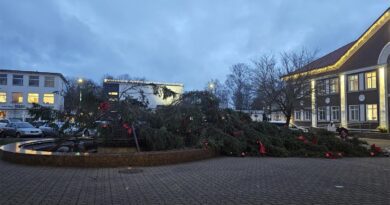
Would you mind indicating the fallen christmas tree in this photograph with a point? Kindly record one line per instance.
(196, 120)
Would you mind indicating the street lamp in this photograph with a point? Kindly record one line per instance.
(212, 87)
(80, 82)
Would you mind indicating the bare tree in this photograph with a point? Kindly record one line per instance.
(239, 86)
(284, 87)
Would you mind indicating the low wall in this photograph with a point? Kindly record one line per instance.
(14, 153)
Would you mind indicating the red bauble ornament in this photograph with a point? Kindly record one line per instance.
(315, 140)
(242, 154)
(301, 138)
(129, 130)
(104, 106)
(372, 154)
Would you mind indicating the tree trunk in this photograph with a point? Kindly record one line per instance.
(288, 118)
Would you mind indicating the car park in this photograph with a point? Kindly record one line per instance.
(20, 129)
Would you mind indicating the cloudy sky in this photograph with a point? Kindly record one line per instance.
(171, 40)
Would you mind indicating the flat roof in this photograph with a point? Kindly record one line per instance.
(141, 82)
(33, 73)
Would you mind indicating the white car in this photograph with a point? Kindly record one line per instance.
(291, 126)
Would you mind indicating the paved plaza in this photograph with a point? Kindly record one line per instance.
(224, 180)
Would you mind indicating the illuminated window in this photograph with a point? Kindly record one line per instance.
(321, 114)
(335, 113)
(113, 93)
(354, 112)
(371, 80)
(17, 80)
(49, 81)
(372, 112)
(298, 115)
(334, 85)
(3, 79)
(17, 98)
(3, 97)
(353, 82)
(48, 98)
(33, 98)
(33, 81)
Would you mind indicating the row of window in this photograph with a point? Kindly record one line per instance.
(356, 82)
(354, 111)
(33, 80)
(17, 98)
(369, 81)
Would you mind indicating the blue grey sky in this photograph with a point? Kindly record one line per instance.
(171, 40)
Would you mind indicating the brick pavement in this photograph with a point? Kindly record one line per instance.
(217, 181)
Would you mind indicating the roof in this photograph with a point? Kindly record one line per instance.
(32, 73)
(328, 59)
(141, 82)
(334, 60)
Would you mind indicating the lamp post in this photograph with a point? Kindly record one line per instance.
(212, 87)
(80, 82)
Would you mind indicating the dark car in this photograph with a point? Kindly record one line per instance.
(20, 129)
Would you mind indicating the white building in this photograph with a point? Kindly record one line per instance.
(20, 89)
(116, 89)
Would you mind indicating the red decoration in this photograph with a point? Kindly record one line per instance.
(372, 154)
(205, 144)
(242, 154)
(129, 130)
(262, 150)
(376, 149)
(301, 138)
(314, 140)
(126, 126)
(237, 133)
(104, 106)
(328, 154)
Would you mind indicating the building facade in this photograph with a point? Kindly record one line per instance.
(350, 86)
(20, 89)
(119, 89)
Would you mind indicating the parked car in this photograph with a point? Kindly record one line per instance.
(20, 129)
(291, 126)
(50, 129)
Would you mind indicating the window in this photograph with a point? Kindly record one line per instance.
(17, 80)
(354, 112)
(372, 112)
(113, 93)
(334, 85)
(298, 115)
(3, 97)
(321, 90)
(17, 97)
(33, 98)
(321, 114)
(353, 82)
(48, 98)
(33, 81)
(49, 81)
(335, 113)
(307, 115)
(3, 79)
(371, 80)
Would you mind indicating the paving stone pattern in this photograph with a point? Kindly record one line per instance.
(224, 180)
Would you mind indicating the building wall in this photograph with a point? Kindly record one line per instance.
(117, 86)
(19, 110)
